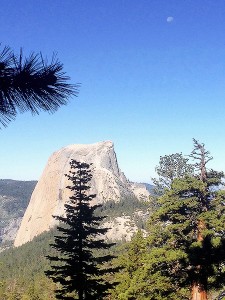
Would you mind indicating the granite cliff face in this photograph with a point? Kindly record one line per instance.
(50, 194)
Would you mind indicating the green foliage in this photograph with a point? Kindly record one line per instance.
(185, 244)
(31, 84)
(131, 262)
(126, 206)
(191, 222)
(79, 272)
(170, 167)
(39, 288)
(189, 225)
(21, 270)
(139, 279)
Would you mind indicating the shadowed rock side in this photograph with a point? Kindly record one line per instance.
(50, 194)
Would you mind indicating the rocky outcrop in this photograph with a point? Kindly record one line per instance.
(124, 227)
(120, 228)
(8, 233)
(50, 194)
(139, 190)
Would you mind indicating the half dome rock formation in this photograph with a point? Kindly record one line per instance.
(50, 193)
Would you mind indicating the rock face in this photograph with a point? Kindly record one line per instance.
(121, 228)
(50, 194)
(8, 233)
(139, 190)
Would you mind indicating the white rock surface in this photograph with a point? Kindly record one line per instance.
(9, 232)
(120, 228)
(50, 194)
(139, 190)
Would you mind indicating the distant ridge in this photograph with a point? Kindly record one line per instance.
(14, 199)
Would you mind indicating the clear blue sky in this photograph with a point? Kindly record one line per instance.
(152, 74)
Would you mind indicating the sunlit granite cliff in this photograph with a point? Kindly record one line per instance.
(50, 194)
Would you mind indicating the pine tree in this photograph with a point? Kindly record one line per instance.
(184, 251)
(189, 230)
(78, 269)
(170, 167)
(31, 84)
(131, 263)
(143, 277)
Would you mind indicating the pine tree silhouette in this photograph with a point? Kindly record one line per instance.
(78, 269)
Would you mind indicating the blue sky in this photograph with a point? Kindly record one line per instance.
(150, 83)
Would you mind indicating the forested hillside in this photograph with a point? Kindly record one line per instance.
(22, 270)
(15, 196)
(177, 253)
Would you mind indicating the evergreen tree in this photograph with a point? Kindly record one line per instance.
(189, 228)
(130, 278)
(78, 269)
(184, 251)
(170, 167)
(31, 84)
(142, 277)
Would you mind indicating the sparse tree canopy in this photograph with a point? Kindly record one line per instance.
(31, 84)
(77, 267)
(170, 167)
(201, 157)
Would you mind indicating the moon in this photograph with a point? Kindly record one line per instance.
(169, 19)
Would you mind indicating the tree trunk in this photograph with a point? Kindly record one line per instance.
(199, 289)
(197, 293)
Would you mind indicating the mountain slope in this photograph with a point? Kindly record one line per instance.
(50, 194)
(14, 198)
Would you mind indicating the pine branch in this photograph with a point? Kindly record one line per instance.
(31, 84)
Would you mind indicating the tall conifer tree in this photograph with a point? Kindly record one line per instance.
(189, 227)
(184, 254)
(78, 269)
